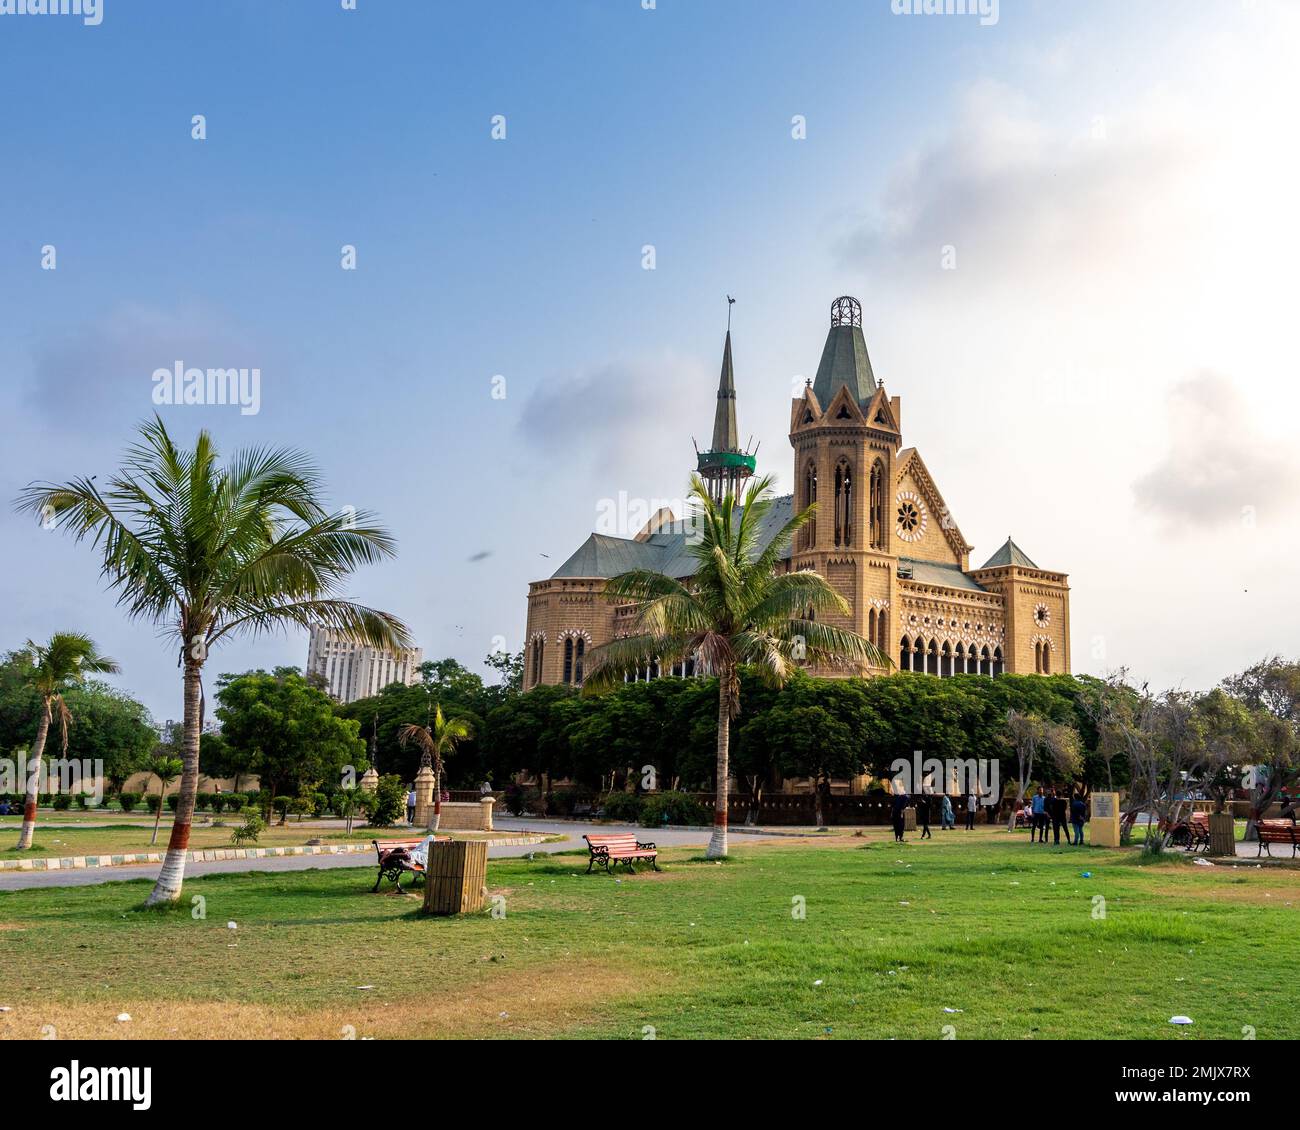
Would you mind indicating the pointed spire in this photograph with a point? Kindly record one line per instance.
(726, 436)
(844, 357)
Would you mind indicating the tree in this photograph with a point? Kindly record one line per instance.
(1030, 736)
(510, 668)
(1167, 750)
(286, 731)
(737, 609)
(435, 741)
(207, 551)
(52, 669)
(166, 769)
(1271, 686)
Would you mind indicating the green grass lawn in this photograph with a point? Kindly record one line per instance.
(985, 923)
(100, 838)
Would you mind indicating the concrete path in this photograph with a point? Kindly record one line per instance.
(572, 831)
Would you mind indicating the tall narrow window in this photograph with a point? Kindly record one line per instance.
(537, 660)
(580, 649)
(1047, 658)
(843, 504)
(882, 622)
(877, 515)
(809, 532)
(568, 660)
(871, 625)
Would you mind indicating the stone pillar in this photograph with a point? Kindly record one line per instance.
(424, 782)
(1103, 830)
(487, 802)
(370, 780)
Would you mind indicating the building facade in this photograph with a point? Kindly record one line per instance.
(352, 670)
(883, 536)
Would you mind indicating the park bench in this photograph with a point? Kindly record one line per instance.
(395, 859)
(1198, 831)
(1276, 832)
(623, 847)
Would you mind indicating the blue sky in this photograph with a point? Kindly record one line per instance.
(1106, 374)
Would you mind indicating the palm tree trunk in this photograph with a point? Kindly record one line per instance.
(157, 816)
(718, 842)
(34, 780)
(436, 819)
(172, 875)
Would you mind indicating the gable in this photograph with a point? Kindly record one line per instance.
(923, 526)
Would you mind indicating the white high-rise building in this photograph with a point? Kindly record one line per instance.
(352, 670)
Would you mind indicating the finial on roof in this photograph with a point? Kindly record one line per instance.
(846, 311)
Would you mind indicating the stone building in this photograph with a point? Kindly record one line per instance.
(882, 535)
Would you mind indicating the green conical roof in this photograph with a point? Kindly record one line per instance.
(1009, 554)
(844, 357)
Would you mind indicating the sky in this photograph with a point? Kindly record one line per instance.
(1071, 228)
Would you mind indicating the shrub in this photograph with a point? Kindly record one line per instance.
(563, 802)
(388, 803)
(83, 801)
(62, 801)
(174, 801)
(219, 803)
(624, 807)
(249, 830)
(672, 808)
(281, 805)
(300, 806)
(236, 801)
(203, 801)
(514, 800)
(153, 801)
(128, 801)
(319, 803)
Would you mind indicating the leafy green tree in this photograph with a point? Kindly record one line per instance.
(52, 669)
(207, 551)
(527, 734)
(736, 610)
(286, 731)
(509, 668)
(1271, 686)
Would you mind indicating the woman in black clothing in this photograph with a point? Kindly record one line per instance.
(923, 817)
(901, 802)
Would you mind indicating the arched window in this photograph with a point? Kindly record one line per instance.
(986, 664)
(905, 655)
(932, 659)
(945, 667)
(809, 532)
(882, 640)
(843, 504)
(997, 661)
(537, 660)
(579, 650)
(871, 625)
(568, 660)
(1038, 658)
(1047, 658)
(877, 514)
(959, 660)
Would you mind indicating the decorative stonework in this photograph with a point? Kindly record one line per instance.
(1042, 615)
(574, 633)
(913, 519)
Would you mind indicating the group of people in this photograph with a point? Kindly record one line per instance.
(948, 818)
(1063, 813)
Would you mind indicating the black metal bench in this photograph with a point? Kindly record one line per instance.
(395, 860)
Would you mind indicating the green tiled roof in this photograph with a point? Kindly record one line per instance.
(1009, 554)
(936, 573)
(845, 362)
(665, 551)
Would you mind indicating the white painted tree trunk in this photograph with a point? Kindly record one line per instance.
(718, 842)
(172, 876)
(34, 781)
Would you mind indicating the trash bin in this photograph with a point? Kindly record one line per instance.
(455, 877)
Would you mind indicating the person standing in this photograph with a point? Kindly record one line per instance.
(1078, 812)
(923, 816)
(972, 805)
(1039, 810)
(1059, 808)
(946, 818)
(901, 802)
(410, 806)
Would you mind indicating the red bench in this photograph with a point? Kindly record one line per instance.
(1276, 832)
(395, 859)
(621, 847)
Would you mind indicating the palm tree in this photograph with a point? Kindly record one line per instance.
(206, 551)
(166, 769)
(435, 741)
(66, 660)
(736, 609)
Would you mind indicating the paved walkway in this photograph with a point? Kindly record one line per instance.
(571, 830)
